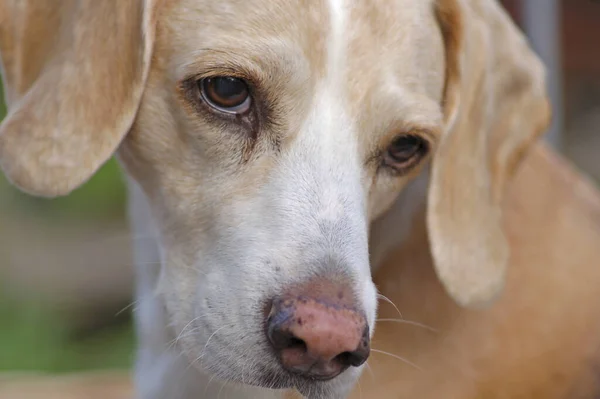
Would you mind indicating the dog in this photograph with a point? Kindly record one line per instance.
(279, 153)
(540, 340)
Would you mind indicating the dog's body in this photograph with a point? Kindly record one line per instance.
(540, 340)
(268, 167)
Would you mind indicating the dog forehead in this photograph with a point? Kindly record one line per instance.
(397, 37)
(290, 28)
(395, 64)
(371, 32)
(383, 59)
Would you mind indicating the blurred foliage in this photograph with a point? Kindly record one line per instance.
(2, 106)
(32, 338)
(36, 338)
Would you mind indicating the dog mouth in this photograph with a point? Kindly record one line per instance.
(271, 375)
(308, 339)
(283, 380)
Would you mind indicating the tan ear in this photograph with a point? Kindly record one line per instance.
(495, 107)
(74, 72)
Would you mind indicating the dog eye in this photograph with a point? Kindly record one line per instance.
(226, 94)
(405, 152)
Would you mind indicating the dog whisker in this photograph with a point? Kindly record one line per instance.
(360, 394)
(202, 353)
(212, 377)
(223, 384)
(397, 357)
(186, 326)
(410, 322)
(189, 333)
(370, 370)
(127, 307)
(388, 300)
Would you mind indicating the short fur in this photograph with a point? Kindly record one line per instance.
(240, 211)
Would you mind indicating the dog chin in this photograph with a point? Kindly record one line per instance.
(310, 389)
(316, 390)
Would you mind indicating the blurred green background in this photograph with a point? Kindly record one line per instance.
(40, 330)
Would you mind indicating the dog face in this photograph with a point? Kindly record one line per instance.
(279, 191)
(267, 136)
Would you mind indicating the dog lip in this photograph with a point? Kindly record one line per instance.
(284, 379)
(318, 377)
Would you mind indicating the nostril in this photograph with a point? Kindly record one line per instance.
(354, 359)
(360, 355)
(344, 358)
(297, 343)
(279, 339)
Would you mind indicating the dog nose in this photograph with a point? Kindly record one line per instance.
(317, 338)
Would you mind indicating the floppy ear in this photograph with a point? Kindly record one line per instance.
(495, 107)
(74, 72)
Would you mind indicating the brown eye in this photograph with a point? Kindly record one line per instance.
(226, 94)
(406, 151)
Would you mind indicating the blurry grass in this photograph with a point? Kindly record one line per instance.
(36, 338)
(33, 338)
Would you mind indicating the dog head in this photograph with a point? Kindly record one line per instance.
(267, 135)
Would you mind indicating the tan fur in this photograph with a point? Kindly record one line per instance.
(540, 340)
(338, 81)
(495, 106)
(74, 73)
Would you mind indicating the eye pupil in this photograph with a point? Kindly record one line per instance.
(226, 93)
(405, 147)
(406, 150)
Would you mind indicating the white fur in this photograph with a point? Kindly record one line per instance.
(308, 219)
